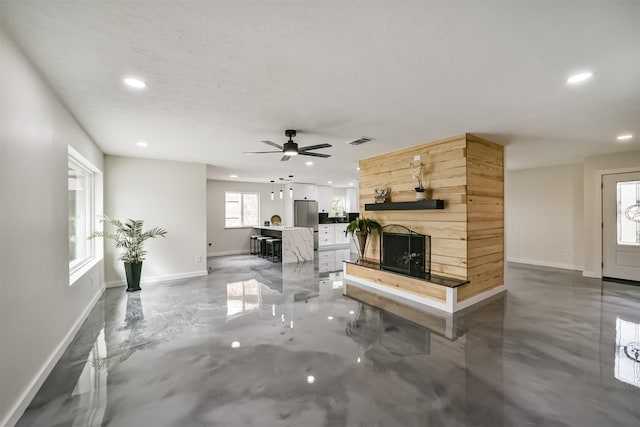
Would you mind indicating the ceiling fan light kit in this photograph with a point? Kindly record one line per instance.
(290, 148)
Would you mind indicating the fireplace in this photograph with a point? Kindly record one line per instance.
(402, 250)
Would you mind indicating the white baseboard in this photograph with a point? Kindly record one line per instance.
(156, 279)
(23, 402)
(545, 263)
(593, 274)
(480, 297)
(223, 253)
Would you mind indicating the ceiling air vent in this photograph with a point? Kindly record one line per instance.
(360, 141)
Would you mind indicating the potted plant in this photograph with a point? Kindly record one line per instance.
(130, 237)
(416, 173)
(362, 227)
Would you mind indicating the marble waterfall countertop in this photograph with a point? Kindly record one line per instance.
(297, 242)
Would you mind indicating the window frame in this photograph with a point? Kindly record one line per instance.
(242, 195)
(77, 268)
(342, 202)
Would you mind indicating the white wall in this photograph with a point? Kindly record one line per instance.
(236, 241)
(543, 215)
(594, 167)
(166, 194)
(39, 311)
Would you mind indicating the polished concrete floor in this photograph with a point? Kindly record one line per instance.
(261, 344)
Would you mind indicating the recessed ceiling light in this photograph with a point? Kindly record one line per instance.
(235, 344)
(311, 379)
(625, 137)
(309, 163)
(330, 317)
(580, 77)
(358, 168)
(233, 176)
(351, 183)
(142, 144)
(135, 83)
(351, 312)
(329, 182)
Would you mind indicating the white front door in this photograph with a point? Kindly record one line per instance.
(621, 226)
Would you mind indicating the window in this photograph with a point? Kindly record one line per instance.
(628, 195)
(241, 209)
(81, 209)
(337, 206)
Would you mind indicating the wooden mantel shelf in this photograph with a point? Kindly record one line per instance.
(405, 206)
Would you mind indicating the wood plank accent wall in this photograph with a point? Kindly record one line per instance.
(467, 236)
(485, 217)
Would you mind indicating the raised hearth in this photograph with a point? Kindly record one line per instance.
(443, 293)
(430, 278)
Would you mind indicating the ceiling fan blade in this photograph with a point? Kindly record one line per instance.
(260, 152)
(305, 153)
(315, 147)
(273, 144)
(285, 158)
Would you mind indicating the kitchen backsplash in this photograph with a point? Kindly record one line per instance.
(323, 218)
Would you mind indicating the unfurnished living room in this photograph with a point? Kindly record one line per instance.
(319, 213)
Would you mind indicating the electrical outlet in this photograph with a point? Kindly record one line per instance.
(198, 259)
(416, 158)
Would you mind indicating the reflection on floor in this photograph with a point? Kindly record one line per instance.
(262, 344)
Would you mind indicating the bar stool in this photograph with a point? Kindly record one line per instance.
(253, 244)
(274, 248)
(262, 246)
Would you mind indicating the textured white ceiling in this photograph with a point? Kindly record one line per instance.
(222, 76)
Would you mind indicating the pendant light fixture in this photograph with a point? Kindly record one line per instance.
(272, 181)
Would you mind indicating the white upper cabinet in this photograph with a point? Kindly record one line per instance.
(305, 192)
(352, 202)
(324, 198)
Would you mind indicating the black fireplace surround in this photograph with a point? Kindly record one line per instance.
(404, 251)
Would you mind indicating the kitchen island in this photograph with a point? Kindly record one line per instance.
(297, 242)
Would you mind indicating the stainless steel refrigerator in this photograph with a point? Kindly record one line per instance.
(305, 214)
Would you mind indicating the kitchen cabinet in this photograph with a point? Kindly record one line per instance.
(332, 235)
(326, 235)
(351, 200)
(305, 191)
(339, 234)
(324, 198)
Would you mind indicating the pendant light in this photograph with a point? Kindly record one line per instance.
(272, 189)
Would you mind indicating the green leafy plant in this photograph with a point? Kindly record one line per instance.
(129, 237)
(362, 226)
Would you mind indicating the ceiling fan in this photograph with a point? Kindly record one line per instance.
(290, 148)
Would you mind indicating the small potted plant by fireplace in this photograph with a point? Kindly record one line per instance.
(362, 228)
(130, 237)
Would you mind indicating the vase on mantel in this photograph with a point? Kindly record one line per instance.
(420, 195)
